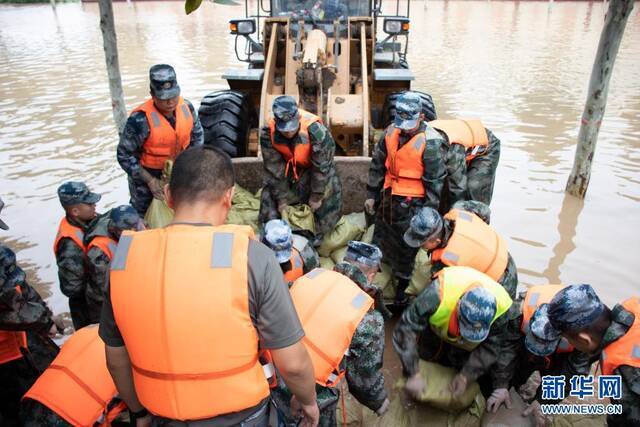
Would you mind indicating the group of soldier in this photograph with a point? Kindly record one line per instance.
(202, 323)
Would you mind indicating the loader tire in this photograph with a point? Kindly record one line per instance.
(227, 116)
(389, 108)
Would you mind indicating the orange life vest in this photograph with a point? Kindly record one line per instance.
(66, 230)
(192, 357)
(11, 342)
(626, 349)
(474, 244)
(297, 266)
(165, 142)
(330, 307)
(536, 296)
(301, 154)
(77, 385)
(105, 244)
(470, 133)
(404, 166)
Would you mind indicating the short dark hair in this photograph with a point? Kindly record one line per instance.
(201, 173)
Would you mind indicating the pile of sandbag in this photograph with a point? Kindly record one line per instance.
(245, 208)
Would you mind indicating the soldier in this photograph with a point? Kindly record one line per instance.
(457, 321)
(338, 326)
(156, 131)
(462, 238)
(299, 167)
(76, 390)
(190, 303)
(523, 352)
(295, 254)
(481, 149)
(101, 244)
(407, 172)
(70, 250)
(608, 335)
(26, 328)
(478, 208)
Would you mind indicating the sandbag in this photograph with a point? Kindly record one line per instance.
(245, 208)
(437, 394)
(421, 275)
(327, 263)
(338, 255)
(385, 281)
(158, 213)
(367, 237)
(349, 227)
(300, 217)
(509, 417)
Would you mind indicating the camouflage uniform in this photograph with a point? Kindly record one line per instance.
(363, 366)
(395, 212)
(22, 311)
(455, 186)
(574, 309)
(320, 180)
(136, 132)
(414, 339)
(516, 364)
(481, 171)
(109, 225)
(73, 276)
(508, 280)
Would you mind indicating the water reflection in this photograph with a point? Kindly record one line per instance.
(567, 224)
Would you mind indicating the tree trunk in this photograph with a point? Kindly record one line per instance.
(113, 66)
(615, 21)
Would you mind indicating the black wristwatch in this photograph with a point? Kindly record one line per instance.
(135, 415)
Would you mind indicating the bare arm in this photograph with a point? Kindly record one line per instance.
(294, 364)
(119, 367)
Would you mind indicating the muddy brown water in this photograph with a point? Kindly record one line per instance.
(523, 67)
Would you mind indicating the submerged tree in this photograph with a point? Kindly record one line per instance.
(110, 43)
(615, 22)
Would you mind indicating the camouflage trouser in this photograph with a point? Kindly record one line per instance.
(392, 220)
(481, 172)
(79, 312)
(17, 376)
(326, 217)
(141, 196)
(509, 279)
(326, 397)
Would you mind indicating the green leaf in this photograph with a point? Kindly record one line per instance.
(191, 5)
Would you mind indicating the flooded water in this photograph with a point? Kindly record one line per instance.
(522, 67)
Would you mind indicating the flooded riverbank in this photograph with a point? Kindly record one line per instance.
(520, 66)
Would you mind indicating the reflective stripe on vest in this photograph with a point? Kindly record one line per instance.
(474, 244)
(330, 307)
(301, 154)
(404, 166)
(11, 342)
(105, 244)
(454, 282)
(68, 231)
(77, 385)
(165, 142)
(297, 266)
(469, 133)
(185, 319)
(535, 297)
(626, 349)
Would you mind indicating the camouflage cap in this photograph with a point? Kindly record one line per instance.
(277, 235)
(478, 208)
(475, 314)
(425, 224)
(574, 308)
(408, 109)
(3, 225)
(363, 253)
(285, 111)
(73, 193)
(125, 217)
(541, 338)
(163, 81)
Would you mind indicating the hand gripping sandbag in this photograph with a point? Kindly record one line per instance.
(159, 214)
(300, 217)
